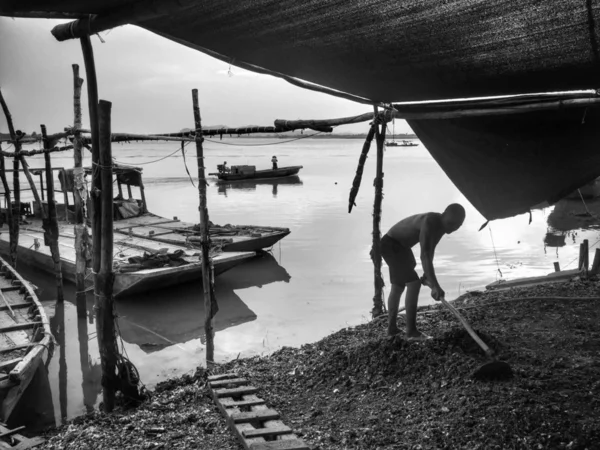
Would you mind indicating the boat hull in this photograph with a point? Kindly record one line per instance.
(131, 282)
(261, 174)
(35, 341)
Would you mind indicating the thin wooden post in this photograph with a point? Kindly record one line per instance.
(143, 194)
(14, 214)
(557, 266)
(92, 90)
(41, 187)
(79, 199)
(378, 307)
(361, 165)
(50, 221)
(586, 255)
(7, 197)
(210, 304)
(596, 264)
(105, 313)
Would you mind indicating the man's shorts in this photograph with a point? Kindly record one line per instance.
(400, 260)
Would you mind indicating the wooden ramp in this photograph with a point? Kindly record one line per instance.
(11, 439)
(255, 425)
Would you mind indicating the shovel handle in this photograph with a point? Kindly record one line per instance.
(470, 330)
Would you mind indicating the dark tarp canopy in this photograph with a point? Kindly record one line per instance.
(417, 50)
(385, 50)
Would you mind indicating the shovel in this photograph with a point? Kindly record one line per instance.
(491, 369)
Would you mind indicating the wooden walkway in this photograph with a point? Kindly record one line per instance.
(10, 439)
(255, 425)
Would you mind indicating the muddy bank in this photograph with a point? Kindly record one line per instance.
(357, 389)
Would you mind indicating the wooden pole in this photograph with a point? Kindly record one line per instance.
(557, 266)
(105, 313)
(378, 307)
(596, 264)
(79, 198)
(92, 90)
(585, 255)
(210, 306)
(7, 199)
(360, 168)
(14, 215)
(50, 221)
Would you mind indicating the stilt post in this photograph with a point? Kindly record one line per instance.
(92, 91)
(103, 285)
(210, 306)
(50, 220)
(596, 264)
(79, 197)
(378, 307)
(14, 214)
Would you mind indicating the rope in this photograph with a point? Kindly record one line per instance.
(154, 161)
(262, 145)
(495, 255)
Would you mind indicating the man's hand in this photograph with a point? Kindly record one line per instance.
(437, 293)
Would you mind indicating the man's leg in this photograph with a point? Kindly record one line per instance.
(412, 298)
(393, 305)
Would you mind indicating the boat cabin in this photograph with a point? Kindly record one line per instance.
(130, 200)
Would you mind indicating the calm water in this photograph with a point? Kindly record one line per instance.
(316, 281)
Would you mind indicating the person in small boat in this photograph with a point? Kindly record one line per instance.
(426, 229)
(225, 168)
(274, 161)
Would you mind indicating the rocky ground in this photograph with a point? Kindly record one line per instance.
(358, 389)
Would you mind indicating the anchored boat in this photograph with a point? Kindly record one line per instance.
(141, 262)
(250, 173)
(25, 337)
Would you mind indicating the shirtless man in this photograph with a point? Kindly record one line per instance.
(426, 229)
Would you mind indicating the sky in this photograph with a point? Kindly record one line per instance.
(149, 80)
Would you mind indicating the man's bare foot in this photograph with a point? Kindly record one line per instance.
(417, 336)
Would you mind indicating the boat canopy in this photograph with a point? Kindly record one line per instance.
(414, 50)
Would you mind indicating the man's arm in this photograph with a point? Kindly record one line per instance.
(430, 235)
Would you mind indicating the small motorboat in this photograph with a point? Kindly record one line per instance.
(250, 173)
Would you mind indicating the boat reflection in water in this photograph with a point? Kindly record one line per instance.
(250, 185)
(155, 321)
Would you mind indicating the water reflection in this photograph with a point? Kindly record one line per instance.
(154, 322)
(57, 326)
(575, 214)
(250, 185)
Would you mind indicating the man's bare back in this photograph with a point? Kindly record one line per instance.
(409, 230)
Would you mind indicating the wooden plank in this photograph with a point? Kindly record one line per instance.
(16, 347)
(11, 432)
(11, 288)
(145, 225)
(20, 326)
(228, 402)
(270, 431)
(252, 416)
(232, 382)
(8, 365)
(295, 444)
(234, 392)
(17, 305)
(7, 305)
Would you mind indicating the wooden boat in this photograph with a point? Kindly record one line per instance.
(249, 173)
(129, 278)
(229, 238)
(25, 337)
(138, 234)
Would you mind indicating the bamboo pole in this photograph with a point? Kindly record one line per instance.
(35, 152)
(359, 170)
(15, 214)
(7, 198)
(79, 197)
(92, 90)
(50, 222)
(103, 286)
(210, 304)
(596, 263)
(378, 307)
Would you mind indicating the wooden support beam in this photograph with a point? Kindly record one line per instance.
(103, 286)
(51, 222)
(133, 12)
(359, 170)
(15, 213)
(79, 199)
(596, 264)
(20, 326)
(378, 307)
(210, 303)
